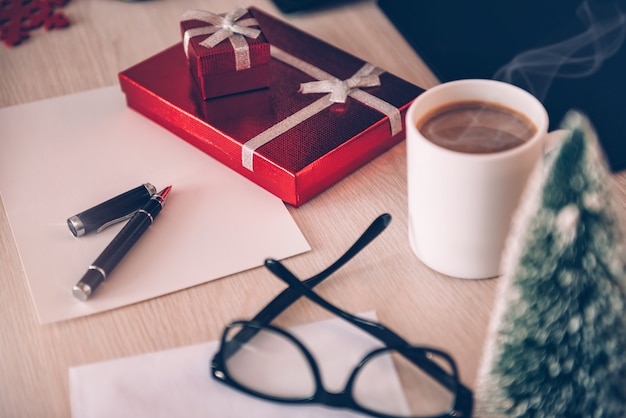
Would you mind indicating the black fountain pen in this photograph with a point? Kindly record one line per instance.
(119, 247)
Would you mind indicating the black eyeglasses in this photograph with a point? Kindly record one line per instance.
(247, 359)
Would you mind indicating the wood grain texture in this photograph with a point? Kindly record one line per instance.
(107, 36)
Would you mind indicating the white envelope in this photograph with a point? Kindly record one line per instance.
(61, 156)
(177, 383)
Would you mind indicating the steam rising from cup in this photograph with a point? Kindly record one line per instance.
(576, 57)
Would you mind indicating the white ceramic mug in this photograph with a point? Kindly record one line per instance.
(461, 204)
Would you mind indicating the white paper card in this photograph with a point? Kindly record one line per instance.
(177, 382)
(61, 156)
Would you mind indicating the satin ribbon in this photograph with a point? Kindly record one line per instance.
(338, 92)
(223, 27)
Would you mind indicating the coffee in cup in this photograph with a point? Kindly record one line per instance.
(476, 127)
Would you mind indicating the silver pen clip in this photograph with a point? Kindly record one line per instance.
(115, 221)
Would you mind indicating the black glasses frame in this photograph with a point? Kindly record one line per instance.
(419, 355)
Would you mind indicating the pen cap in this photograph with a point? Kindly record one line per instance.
(110, 212)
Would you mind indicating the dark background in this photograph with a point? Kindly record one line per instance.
(474, 39)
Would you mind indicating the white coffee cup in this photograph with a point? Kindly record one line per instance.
(461, 204)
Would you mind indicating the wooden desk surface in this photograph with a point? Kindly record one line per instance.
(107, 36)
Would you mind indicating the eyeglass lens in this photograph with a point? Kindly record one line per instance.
(274, 365)
(423, 396)
(270, 364)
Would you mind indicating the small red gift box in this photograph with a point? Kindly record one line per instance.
(227, 53)
(325, 113)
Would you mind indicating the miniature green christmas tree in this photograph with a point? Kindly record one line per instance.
(557, 342)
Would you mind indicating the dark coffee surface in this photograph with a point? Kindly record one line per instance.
(476, 127)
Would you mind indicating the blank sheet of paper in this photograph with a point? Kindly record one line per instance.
(61, 156)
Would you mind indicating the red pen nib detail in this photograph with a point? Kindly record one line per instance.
(163, 194)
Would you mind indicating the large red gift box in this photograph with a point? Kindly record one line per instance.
(226, 53)
(325, 113)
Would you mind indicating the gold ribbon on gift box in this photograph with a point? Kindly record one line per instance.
(222, 27)
(338, 92)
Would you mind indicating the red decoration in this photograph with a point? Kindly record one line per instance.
(300, 159)
(19, 17)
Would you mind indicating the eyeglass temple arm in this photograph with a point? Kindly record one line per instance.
(288, 296)
(382, 333)
(377, 330)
